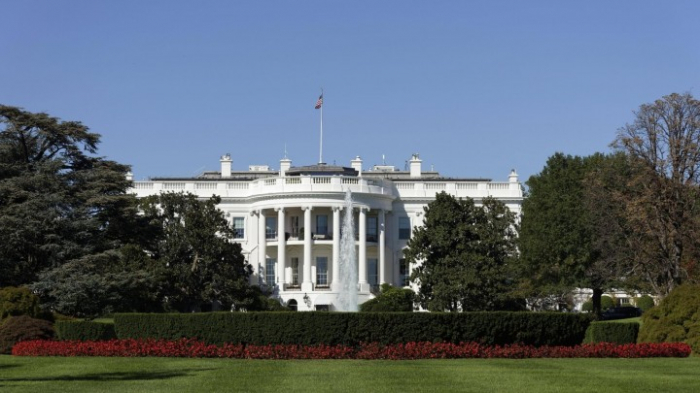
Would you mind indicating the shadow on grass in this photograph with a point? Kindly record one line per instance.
(3, 366)
(116, 376)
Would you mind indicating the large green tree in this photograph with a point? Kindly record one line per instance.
(202, 264)
(463, 254)
(571, 233)
(58, 201)
(662, 199)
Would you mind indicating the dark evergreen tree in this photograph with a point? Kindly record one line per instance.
(463, 255)
(58, 202)
(202, 264)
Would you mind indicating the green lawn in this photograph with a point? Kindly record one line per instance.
(25, 374)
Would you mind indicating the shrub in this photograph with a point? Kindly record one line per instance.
(612, 332)
(587, 306)
(606, 302)
(675, 319)
(390, 299)
(311, 328)
(84, 331)
(23, 328)
(15, 301)
(645, 302)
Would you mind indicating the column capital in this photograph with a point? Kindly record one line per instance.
(307, 207)
(254, 212)
(337, 208)
(278, 209)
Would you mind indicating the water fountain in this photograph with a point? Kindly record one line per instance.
(347, 295)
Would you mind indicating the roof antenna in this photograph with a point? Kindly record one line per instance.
(383, 160)
(285, 150)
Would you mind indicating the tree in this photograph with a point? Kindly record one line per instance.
(58, 202)
(570, 234)
(463, 254)
(202, 264)
(661, 200)
(100, 284)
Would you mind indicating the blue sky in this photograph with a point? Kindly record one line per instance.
(475, 87)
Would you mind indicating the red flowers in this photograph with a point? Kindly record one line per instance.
(408, 351)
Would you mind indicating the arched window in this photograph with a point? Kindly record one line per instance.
(292, 305)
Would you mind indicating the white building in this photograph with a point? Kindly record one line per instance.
(288, 221)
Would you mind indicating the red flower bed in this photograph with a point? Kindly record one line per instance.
(413, 350)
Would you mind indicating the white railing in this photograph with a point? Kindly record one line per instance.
(324, 184)
(205, 186)
(173, 186)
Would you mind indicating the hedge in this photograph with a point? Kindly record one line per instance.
(84, 331)
(612, 332)
(313, 328)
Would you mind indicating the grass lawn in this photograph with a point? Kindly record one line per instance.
(46, 374)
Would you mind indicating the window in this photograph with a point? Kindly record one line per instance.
(403, 272)
(322, 224)
(404, 228)
(295, 271)
(270, 271)
(238, 227)
(292, 305)
(372, 229)
(270, 227)
(294, 224)
(372, 272)
(321, 271)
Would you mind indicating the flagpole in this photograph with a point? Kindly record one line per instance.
(320, 154)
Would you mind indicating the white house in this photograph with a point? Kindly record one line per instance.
(288, 220)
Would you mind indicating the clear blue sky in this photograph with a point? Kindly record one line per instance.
(476, 88)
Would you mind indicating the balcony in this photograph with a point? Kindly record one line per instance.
(271, 185)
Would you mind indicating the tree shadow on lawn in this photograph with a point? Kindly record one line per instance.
(116, 376)
(2, 366)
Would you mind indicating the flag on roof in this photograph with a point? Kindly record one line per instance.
(319, 103)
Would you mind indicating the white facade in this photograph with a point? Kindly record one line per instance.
(288, 221)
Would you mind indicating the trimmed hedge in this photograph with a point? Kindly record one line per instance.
(612, 332)
(312, 328)
(84, 330)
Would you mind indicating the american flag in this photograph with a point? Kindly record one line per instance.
(319, 103)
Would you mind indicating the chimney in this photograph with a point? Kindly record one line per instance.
(226, 165)
(513, 178)
(129, 176)
(285, 164)
(415, 165)
(356, 164)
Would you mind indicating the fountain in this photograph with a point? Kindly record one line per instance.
(347, 295)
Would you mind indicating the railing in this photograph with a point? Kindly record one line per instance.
(412, 189)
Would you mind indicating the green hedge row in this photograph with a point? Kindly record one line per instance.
(612, 332)
(308, 328)
(84, 330)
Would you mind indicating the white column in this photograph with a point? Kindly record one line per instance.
(262, 244)
(362, 254)
(281, 248)
(335, 274)
(382, 254)
(307, 285)
(255, 278)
